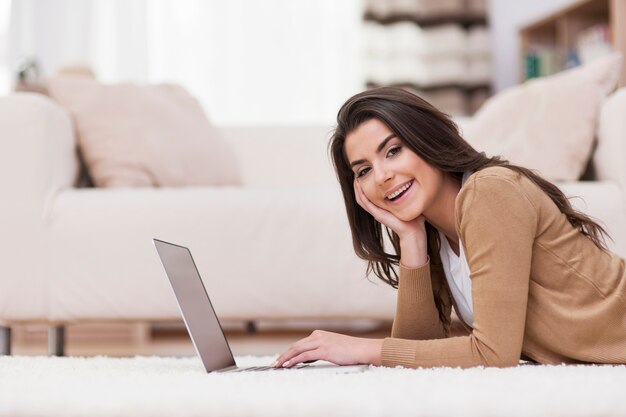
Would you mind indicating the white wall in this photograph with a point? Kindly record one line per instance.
(5, 71)
(249, 62)
(506, 17)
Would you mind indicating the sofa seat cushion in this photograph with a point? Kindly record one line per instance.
(263, 253)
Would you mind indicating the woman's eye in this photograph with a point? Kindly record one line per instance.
(362, 172)
(393, 151)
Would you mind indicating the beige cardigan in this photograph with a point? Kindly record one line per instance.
(540, 288)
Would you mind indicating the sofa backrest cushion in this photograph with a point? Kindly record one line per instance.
(283, 156)
(547, 124)
(144, 135)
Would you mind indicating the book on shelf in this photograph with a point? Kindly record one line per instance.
(591, 43)
(594, 42)
(540, 62)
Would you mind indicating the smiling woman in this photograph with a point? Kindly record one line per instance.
(529, 276)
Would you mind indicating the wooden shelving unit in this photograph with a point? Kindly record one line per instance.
(560, 31)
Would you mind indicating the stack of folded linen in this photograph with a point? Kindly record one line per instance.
(478, 56)
(404, 53)
(428, 46)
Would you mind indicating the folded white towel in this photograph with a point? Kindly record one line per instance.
(408, 38)
(425, 8)
(478, 42)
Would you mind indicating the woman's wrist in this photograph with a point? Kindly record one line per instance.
(373, 351)
(413, 252)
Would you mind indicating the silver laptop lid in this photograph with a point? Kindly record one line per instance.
(194, 303)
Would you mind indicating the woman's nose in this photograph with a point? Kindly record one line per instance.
(383, 175)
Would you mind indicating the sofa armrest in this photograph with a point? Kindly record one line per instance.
(603, 201)
(37, 160)
(38, 156)
(610, 153)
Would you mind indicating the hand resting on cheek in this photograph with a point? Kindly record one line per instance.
(403, 229)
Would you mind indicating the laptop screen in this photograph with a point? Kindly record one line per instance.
(200, 318)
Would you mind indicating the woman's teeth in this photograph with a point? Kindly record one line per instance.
(400, 191)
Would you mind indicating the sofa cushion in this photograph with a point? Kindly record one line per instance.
(144, 135)
(547, 124)
(263, 253)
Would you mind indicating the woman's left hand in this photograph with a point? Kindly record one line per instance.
(332, 347)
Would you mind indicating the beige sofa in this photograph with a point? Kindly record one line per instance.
(276, 248)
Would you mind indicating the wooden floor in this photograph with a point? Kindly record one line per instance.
(125, 340)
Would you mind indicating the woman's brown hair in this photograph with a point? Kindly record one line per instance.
(433, 136)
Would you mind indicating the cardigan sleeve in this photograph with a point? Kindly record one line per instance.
(417, 316)
(497, 224)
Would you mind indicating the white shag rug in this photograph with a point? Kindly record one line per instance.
(160, 386)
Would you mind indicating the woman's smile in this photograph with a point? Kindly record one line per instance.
(400, 194)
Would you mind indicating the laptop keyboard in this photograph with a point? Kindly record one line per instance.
(269, 368)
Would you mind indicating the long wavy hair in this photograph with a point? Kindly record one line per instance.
(434, 137)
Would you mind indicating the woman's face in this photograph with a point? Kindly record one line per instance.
(391, 175)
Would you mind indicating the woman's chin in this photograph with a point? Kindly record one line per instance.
(407, 216)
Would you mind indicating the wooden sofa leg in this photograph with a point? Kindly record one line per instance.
(56, 341)
(251, 327)
(5, 340)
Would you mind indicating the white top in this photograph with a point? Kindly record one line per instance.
(458, 274)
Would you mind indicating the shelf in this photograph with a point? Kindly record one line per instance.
(432, 88)
(555, 37)
(454, 99)
(464, 19)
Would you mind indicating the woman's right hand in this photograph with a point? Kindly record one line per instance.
(412, 233)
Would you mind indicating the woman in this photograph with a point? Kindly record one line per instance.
(529, 276)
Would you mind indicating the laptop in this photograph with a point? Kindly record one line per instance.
(201, 321)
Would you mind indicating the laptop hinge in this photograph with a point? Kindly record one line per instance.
(227, 369)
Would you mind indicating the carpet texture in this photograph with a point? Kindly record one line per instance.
(158, 386)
